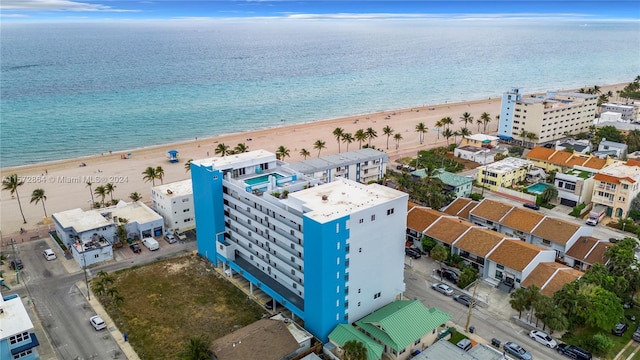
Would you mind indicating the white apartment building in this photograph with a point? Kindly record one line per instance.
(616, 186)
(364, 166)
(549, 117)
(629, 112)
(174, 202)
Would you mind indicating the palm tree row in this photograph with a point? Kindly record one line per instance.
(223, 150)
(103, 191)
(152, 174)
(531, 136)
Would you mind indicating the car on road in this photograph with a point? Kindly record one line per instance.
(464, 300)
(573, 352)
(543, 338)
(620, 329)
(49, 254)
(412, 253)
(449, 275)
(170, 238)
(442, 288)
(135, 248)
(97, 322)
(517, 351)
(16, 264)
(531, 206)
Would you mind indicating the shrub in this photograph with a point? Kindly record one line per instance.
(577, 210)
(428, 244)
(600, 344)
(468, 276)
(57, 239)
(476, 197)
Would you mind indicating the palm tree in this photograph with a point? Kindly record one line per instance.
(241, 148)
(197, 349)
(135, 196)
(160, 174)
(102, 192)
(319, 144)
(466, 118)
(397, 137)
(447, 122)
(479, 123)
(519, 301)
(486, 119)
(338, 132)
(348, 139)
(421, 129)
(187, 165)
(354, 350)
(550, 193)
(89, 183)
(109, 188)
(305, 153)
(447, 133)
(464, 132)
(360, 136)
(387, 130)
(149, 175)
(12, 183)
(439, 125)
(596, 89)
(371, 134)
(532, 137)
(221, 149)
(38, 195)
(282, 152)
(523, 135)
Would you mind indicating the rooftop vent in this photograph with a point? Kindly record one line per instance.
(325, 198)
(169, 191)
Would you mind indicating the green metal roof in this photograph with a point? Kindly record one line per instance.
(402, 322)
(453, 179)
(343, 333)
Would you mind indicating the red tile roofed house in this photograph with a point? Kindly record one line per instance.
(447, 230)
(558, 235)
(418, 219)
(519, 223)
(459, 205)
(488, 213)
(513, 260)
(550, 277)
(559, 160)
(616, 186)
(586, 252)
(474, 246)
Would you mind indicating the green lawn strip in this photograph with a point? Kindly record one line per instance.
(629, 350)
(456, 336)
(168, 302)
(582, 336)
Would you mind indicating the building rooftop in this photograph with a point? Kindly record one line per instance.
(556, 230)
(522, 219)
(420, 218)
(491, 210)
(177, 188)
(550, 277)
(620, 125)
(345, 332)
(515, 254)
(565, 158)
(332, 161)
(448, 229)
(226, 162)
(479, 241)
(134, 212)
(14, 318)
(458, 205)
(452, 179)
(620, 171)
(473, 149)
(589, 250)
(483, 138)
(81, 220)
(339, 198)
(507, 165)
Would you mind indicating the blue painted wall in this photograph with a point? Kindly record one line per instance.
(507, 109)
(209, 209)
(324, 277)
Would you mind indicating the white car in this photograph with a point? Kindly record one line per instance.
(442, 288)
(543, 338)
(49, 254)
(97, 322)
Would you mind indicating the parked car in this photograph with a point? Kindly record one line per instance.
(531, 206)
(97, 322)
(412, 253)
(620, 329)
(449, 275)
(16, 264)
(636, 335)
(170, 238)
(135, 248)
(517, 351)
(442, 288)
(464, 344)
(181, 236)
(150, 243)
(49, 254)
(464, 300)
(573, 352)
(543, 338)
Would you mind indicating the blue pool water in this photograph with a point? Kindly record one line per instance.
(261, 179)
(537, 188)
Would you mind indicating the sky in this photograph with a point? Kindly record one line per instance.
(125, 10)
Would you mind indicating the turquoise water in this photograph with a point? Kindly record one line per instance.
(537, 188)
(78, 89)
(261, 179)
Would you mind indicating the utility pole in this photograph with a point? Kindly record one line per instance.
(473, 302)
(84, 259)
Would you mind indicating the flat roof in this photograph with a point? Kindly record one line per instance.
(507, 164)
(14, 318)
(333, 161)
(482, 137)
(177, 188)
(342, 197)
(134, 211)
(81, 220)
(225, 162)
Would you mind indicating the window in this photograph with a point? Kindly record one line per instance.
(22, 354)
(373, 217)
(377, 295)
(361, 221)
(19, 338)
(546, 242)
(390, 211)
(500, 266)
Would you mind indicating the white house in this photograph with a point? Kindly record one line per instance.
(174, 201)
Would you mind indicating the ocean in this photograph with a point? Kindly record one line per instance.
(72, 89)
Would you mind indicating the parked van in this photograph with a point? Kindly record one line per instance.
(151, 243)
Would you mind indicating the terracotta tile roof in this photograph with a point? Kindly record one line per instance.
(522, 219)
(464, 213)
(491, 210)
(632, 162)
(419, 218)
(565, 158)
(612, 179)
(595, 163)
(551, 277)
(448, 229)
(479, 241)
(457, 205)
(540, 153)
(515, 254)
(596, 256)
(411, 205)
(560, 158)
(582, 246)
(556, 230)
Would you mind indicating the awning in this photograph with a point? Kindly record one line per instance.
(505, 137)
(34, 342)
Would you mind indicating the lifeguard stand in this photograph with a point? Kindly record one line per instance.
(172, 155)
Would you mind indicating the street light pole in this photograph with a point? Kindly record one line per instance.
(84, 259)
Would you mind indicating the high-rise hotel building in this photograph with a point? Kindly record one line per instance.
(331, 253)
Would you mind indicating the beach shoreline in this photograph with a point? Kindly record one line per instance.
(65, 188)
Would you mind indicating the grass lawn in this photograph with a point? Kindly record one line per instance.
(166, 303)
(456, 337)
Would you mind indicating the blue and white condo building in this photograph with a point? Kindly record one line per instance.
(330, 253)
(17, 340)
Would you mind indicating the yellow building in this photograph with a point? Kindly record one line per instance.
(479, 140)
(504, 173)
(616, 186)
(560, 160)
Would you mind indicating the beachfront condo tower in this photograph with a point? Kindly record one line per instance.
(330, 253)
(541, 119)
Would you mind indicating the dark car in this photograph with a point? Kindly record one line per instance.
(636, 335)
(517, 351)
(531, 206)
(573, 352)
(16, 264)
(135, 248)
(620, 329)
(448, 274)
(464, 300)
(412, 253)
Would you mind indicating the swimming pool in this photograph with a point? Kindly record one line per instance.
(261, 179)
(537, 188)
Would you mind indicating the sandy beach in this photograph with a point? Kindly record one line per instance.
(64, 182)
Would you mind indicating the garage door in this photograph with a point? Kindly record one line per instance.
(568, 202)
